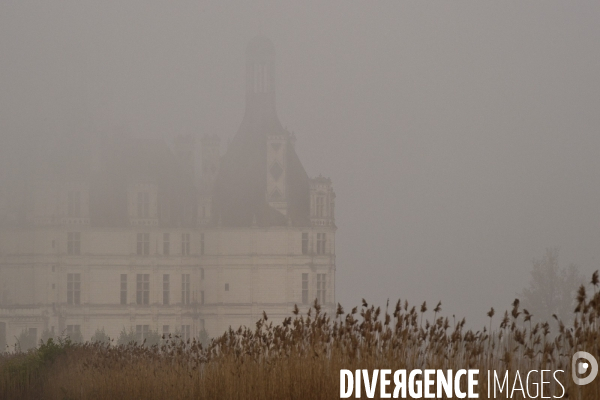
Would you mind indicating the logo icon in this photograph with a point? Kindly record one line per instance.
(580, 367)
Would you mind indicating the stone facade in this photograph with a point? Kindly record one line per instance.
(143, 236)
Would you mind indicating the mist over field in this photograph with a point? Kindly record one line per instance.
(462, 138)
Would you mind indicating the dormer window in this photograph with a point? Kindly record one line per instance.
(74, 204)
(320, 209)
(74, 243)
(166, 244)
(163, 208)
(322, 198)
(143, 204)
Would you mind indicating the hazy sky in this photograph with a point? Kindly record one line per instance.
(463, 138)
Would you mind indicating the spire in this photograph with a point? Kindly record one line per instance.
(260, 78)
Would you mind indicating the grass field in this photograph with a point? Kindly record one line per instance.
(302, 357)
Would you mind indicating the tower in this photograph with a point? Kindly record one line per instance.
(260, 78)
(169, 238)
(276, 172)
(261, 181)
(210, 155)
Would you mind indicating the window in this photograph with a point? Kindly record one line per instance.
(321, 243)
(74, 204)
(73, 331)
(164, 210)
(202, 297)
(201, 274)
(320, 206)
(227, 287)
(185, 244)
(321, 288)
(305, 288)
(202, 325)
(123, 288)
(143, 204)
(141, 332)
(143, 244)
(143, 289)
(185, 288)
(74, 243)
(33, 334)
(166, 289)
(73, 288)
(186, 332)
(202, 244)
(305, 243)
(165, 331)
(166, 244)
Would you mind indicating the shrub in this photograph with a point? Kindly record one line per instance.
(26, 340)
(46, 335)
(302, 356)
(126, 337)
(100, 336)
(203, 338)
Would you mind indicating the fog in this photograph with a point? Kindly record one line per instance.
(462, 138)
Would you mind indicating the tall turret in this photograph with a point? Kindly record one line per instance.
(276, 172)
(210, 156)
(261, 181)
(260, 79)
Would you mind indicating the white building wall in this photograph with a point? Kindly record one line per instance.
(263, 267)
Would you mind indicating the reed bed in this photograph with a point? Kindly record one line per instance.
(301, 358)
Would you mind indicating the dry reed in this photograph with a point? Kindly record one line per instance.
(301, 358)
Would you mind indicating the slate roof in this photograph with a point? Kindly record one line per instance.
(241, 185)
(120, 161)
